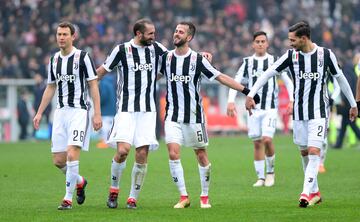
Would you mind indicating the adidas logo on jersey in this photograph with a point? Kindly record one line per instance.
(180, 78)
(65, 78)
(309, 75)
(142, 67)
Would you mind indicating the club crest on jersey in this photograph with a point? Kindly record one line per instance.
(76, 65)
(321, 57)
(192, 66)
(179, 78)
(152, 53)
(142, 67)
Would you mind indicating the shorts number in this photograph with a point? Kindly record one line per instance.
(199, 136)
(272, 123)
(78, 135)
(320, 128)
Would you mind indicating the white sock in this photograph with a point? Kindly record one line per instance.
(270, 163)
(72, 174)
(305, 161)
(205, 179)
(137, 179)
(260, 168)
(323, 152)
(79, 180)
(315, 187)
(116, 172)
(311, 172)
(177, 174)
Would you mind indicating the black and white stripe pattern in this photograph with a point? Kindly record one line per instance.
(71, 74)
(183, 74)
(252, 68)
(309, 72)
(137, 68)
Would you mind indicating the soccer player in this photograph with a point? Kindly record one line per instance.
(262, 124)
(309, 65)
(358, 87)
(137, 63)
(185, 118)
(72, 74)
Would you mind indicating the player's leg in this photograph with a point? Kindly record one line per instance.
(144, 140)
(195, 135)
(268, 131)
(317, 130)
(174, 139)
(138, 175)
(59, 160)
(122, 134)
(254, 133)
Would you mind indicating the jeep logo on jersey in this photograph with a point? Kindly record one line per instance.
(142, 67)
(65, 78)
(180, 78)
(309, 75)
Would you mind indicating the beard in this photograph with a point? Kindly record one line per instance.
(180, 43)
(146, 42)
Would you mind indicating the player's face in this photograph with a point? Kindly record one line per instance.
(147, 38)
(296, 42)
(181, 35)
(64, 38)
(260, 45)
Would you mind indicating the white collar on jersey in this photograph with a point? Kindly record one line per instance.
(68, 55)
(183, 56)
(261, 57)
(312, 51)
(136, 46)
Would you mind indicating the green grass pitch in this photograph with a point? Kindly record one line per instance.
(31, 188)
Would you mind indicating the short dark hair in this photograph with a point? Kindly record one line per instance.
(140, 25)
(67, 25)
(258, 33)
(301, 28)
(192, 29)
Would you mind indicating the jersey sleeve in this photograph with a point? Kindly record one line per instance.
(113, 59)
(51, 75)
(334, 68)
(208, 70)
(90, 68)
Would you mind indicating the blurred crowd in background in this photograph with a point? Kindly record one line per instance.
(224, 27)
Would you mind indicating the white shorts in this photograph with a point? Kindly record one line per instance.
(262, 123)
(135, 128)
(71, 127)
(188, 134)
(310, 132)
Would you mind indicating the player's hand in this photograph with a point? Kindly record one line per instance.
(231, 110)
(207, 55)
(97, 122)
(289, 109)
(37, 120)
(353, 113)
(249, 104)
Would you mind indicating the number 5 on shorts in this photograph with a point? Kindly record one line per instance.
(199, 136)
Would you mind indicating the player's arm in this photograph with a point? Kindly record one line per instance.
(95, 95)
(231, 108)
(344, 86)
(101, 71)
(46, 99)
(290, 90)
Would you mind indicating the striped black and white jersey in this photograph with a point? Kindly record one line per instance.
(183, 81)
(137, 67)
(309, 72)
(71, 73)
(252, 68)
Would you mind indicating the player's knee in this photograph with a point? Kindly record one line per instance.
(59, 163)
(267, 141)
(174, 154)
